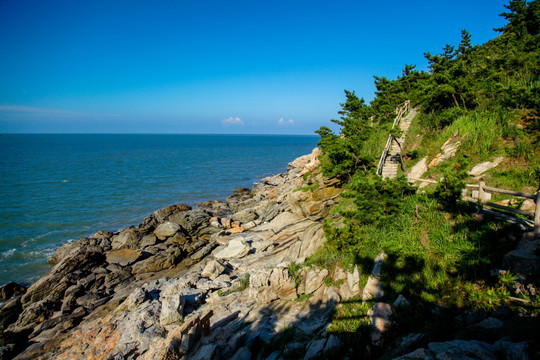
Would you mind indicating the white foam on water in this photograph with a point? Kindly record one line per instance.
(8, 253)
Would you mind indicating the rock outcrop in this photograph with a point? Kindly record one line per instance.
(203, 283)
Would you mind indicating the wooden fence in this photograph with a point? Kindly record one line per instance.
(484, 189)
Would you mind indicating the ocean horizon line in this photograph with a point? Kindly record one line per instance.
(142, 133)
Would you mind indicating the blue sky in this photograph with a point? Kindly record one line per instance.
(166, 66)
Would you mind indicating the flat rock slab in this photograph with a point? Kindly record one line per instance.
(123, 257)
(485, 166)
(236, 249)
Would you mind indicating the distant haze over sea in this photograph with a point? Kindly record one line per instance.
(57, 188)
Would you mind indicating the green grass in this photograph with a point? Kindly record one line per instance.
(436, 259)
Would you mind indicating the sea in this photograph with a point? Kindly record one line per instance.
(57, 188)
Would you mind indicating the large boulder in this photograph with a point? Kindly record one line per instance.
(524, 260)
(123, 257)
(127, 238)
(11, 289)
(236, 249)
(160, 261)
(167, 229)
(193, 221)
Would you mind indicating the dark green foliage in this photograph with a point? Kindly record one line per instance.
(345, 153)
(449, 188)
(375, 201)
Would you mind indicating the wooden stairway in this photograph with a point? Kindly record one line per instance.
(391, 158)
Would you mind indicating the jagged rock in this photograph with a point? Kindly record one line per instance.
(461, 349)
(237, 248)
(332, 344)
(11, 289)
(490, 323)
(373, 289)
(9, 312)
(353, 280)
(401, 301)
(80, 259)
(127, 238)
(282, 283)
(165, 230)
(191, 220)
(380, 315)
(242, 354)
(523, 260)
(377, 265)
(159, 261)
(512, 351)
(163, 214)
(314, 280)
(70, 249)
(332, 295)
(178, 239)
(147, 241)
(172, 308)
(315, 349)
(213, 269)
(245, 216)
(123, 257)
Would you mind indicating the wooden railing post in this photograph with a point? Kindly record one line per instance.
(537, 216)
(481, 185)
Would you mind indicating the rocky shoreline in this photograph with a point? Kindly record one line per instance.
(220, 281)
(209, 282)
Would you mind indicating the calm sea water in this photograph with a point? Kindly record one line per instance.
(58, 188)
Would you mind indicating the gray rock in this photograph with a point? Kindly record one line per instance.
(512, 351)
(490, 323)
(148, 240)
(213, 269)
(524, 261)
(127, 238)
(9, 313)
(191, 220)
(236, 249)
(158, 262)
(242, 354)
(165, 230)
(381, 321)
(373, 289)
(461, 349)
(332, 344)
(245, 216)
(401, 301)
(172, 308)
(315, 349)
(314, 280)
(123, 257)
(203, 251)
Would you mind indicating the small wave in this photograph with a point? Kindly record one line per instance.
(7, 254)
(47, 253)
(66, 181)
(35, 238)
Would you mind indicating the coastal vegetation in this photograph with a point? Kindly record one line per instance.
(443, 256)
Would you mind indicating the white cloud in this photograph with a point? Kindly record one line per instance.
(232, 121)
(283, 122)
